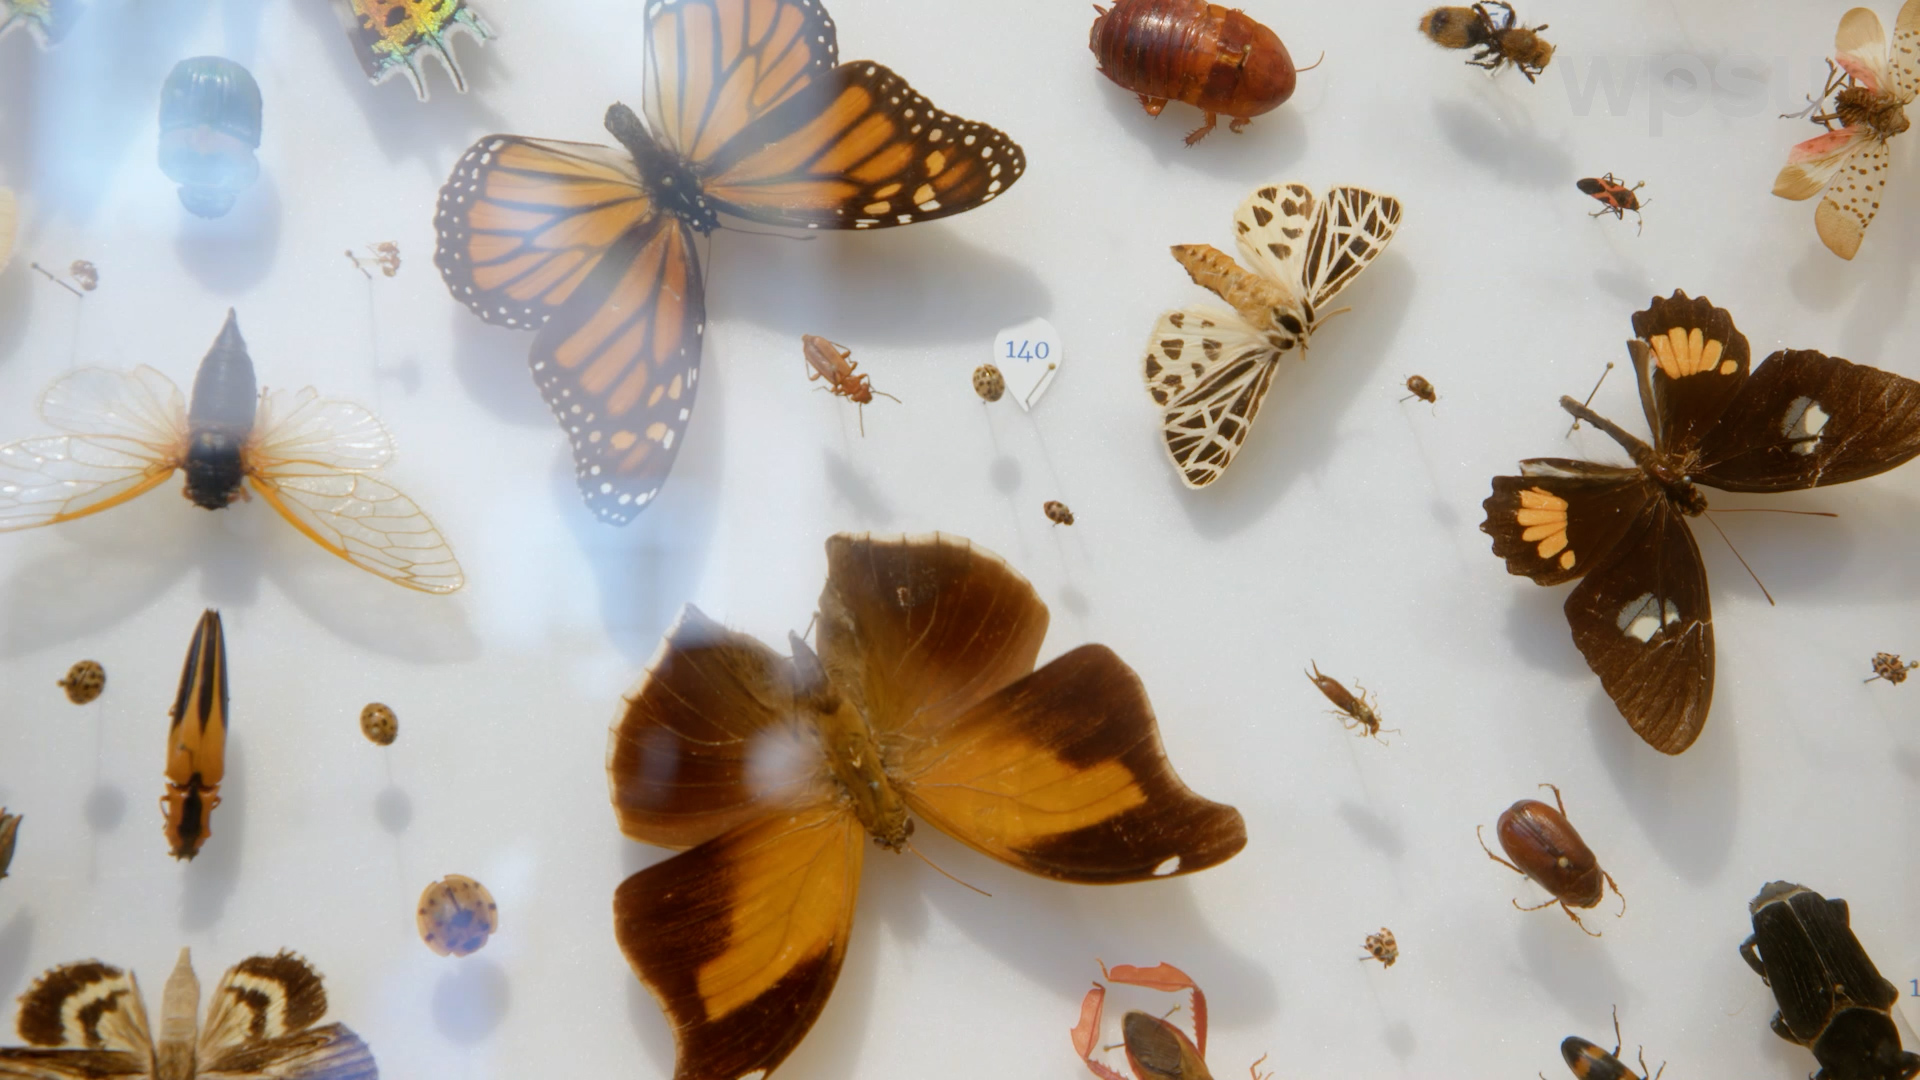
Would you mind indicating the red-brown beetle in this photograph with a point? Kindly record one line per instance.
(828, 361)
(1547, 849)
(1216, 59)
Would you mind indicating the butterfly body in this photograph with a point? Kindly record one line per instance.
(1264, 303)
(851, 751)
(671, 181)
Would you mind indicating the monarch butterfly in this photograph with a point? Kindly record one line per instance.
(749, 114)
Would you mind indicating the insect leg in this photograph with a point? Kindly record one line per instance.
(1491, 855)
(1153, 105)
(1200, 132)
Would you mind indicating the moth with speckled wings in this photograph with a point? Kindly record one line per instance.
(777, 773)
(86, 1021)
(1640, 614)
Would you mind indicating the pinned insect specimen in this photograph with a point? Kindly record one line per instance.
(379, 724)
(1217, 59)
(84, 681)
(1833, 1001)
(1498, 36)
(1589, 1062)
(310, 458)
(1355, 711)
(1887, 666)
(919, 699)
(210, 122)
(385, 255)
(1544, 844)
(1419, 387)
(989, 383)
(391, 36)
(1870, 86)
(9, 832)
(1381, 947)
(1208, 369)
(828, 361)
(9, 225)
(1642, 616)
(1156, 1049)
(197, 741)
(1057, 512)
(1615, 197)
(457, 915)
(46, 20)
(595, 248)
(86, 1021)
(85, 277)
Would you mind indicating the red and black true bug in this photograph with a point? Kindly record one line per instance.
(1217, 59)
(1615, 197)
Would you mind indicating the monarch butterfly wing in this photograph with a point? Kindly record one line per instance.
(1842, 217)
(741, 938)
(1351, 226)
(715, 67)
(522, 223)
(129, 433)
(1209, 371)
(620, 363)
(859, 149)
(307, 459)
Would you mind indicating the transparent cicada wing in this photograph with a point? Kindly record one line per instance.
(128, 433)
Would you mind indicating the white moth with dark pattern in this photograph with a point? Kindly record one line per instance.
(1209, 369)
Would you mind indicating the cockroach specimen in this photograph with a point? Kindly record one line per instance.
(1356, 712)
(1156, 1050)
(1615, 197)
(828, 361)
(1500, 39)
(1419, 387)
(1589, 1062)
(1216, 59)
(1887, 666)
(1833, 1001)
(1381, 947)
(1547, 849)
(197, 741)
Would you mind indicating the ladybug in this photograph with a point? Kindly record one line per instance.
(1615, 198)
(457, 915)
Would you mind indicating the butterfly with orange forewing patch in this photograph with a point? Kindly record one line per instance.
(1641, 616)
(773, 772)
(1208, 369)
(390, 36)
(86, 1021)
(1870, 91)
(749, 114)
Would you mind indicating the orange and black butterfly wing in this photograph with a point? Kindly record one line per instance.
(1691, 362)
(1643, 620)
(1805, 420)
(1560, 517)
(717, 67)
(563, 238)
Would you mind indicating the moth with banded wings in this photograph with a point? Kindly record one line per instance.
(775, 774)
(1641, 614)
(1870, 86)
(86, 1021)
(1209, 370)
(310, 458)
(749, 114)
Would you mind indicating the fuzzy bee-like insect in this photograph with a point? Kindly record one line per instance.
(1498, 37)
(1217, 59)
(1615, 198)
(1548, 849)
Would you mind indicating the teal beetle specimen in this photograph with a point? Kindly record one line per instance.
(209, 128)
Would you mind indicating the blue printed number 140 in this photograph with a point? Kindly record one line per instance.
(1028, 350)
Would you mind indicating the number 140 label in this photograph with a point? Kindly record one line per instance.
(1028, 355)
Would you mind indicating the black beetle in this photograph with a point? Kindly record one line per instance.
(1833, 1001)
(1589, 1062)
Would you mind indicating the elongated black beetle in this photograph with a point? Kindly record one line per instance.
(1833, 1001)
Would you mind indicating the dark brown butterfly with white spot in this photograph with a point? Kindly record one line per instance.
(1801, 419)
(86, 1021)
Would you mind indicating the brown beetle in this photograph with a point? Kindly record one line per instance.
(1887, 666)
(1214, 58)
(1419, 387)
(1057, 512)
(1548, 849)
(1381, 947)
(828, 361)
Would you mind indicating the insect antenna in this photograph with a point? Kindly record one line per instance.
(58, 281)
(1315, 64)
(943, 873)
(1589, 402)
(884, 394)
(1743, 559)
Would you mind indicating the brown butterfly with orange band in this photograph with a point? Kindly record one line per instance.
(920, 697)
(749, 114)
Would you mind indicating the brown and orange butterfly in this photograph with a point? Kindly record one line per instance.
(773, 771)
(748, 114)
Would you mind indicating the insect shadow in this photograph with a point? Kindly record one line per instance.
(1687, 818)
(1511, 153)
(471, 1000)
(16, 944)
(857, 490)
(230, 254)
(1569, 967)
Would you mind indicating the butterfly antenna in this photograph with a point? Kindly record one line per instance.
(57, 281)
(1589, 402)
(1743, 560)
(1776, 510)
(943, 873)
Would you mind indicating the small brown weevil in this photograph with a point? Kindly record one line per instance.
(1544, 846)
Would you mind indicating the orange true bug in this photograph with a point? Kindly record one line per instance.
(1615, 197)
(1217, 59)
(828, 361)
(197, 742)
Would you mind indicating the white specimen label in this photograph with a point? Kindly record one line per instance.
(1028, 355)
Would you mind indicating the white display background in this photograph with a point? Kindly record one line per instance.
(1347, 533)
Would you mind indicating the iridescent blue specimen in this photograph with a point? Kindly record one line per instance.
(209, 128)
